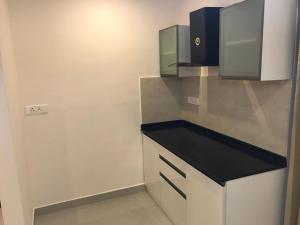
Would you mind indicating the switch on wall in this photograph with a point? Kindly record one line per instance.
(193, 100)
(36, 109)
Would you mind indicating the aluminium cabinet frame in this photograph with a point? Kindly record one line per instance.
(256, 199)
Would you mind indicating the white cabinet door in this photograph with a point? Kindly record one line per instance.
(256, 200)
(205, 200)
(151, 168)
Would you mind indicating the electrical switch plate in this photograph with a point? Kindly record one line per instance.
(193, 100)
(36, 109)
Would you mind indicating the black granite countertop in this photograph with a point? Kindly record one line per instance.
(219, 157)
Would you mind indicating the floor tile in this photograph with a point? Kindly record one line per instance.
(135, 209)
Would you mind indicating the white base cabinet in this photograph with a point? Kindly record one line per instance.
(205, 200)
(151, 168)
(188, 197)
(256, 200)
(253, 200)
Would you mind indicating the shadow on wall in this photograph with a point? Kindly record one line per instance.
(245, 99)
(260, 106)
(191, 87)
(160, 99)
(252, 111)
(255, 112)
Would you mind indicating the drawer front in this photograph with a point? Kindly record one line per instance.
(173, 201)
(173, 173)
(179, 163)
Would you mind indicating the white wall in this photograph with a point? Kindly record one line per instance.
(14, 184)
(84, 58)
(10, 195)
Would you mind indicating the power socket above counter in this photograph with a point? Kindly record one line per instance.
(193, 100)
(36, 109)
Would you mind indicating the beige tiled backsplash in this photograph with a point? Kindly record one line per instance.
(254, 112)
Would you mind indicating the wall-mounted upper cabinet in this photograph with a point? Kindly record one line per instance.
(174, 44)
(257, 40)
(204, 25)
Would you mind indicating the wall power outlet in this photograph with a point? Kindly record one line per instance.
(193, 100)
(36, 109)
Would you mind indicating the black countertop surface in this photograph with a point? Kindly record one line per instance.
(219, 157)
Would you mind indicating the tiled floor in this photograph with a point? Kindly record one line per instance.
(135, 209)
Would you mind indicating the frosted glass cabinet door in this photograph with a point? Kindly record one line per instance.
(241, 40)
(168, 51)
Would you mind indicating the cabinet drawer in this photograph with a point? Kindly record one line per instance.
(179, 163)
(173, 173)
(173, 202)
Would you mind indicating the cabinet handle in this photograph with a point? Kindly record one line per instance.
(173, 185)
(172, 166)
(172, 64)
